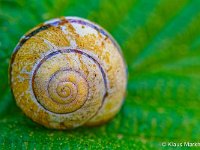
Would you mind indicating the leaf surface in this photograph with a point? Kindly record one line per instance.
(160, 41)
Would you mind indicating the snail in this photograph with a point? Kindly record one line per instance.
(68, 72)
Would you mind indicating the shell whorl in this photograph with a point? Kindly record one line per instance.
(65, 87)
(68, 72)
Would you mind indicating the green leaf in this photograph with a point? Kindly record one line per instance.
(160, 40)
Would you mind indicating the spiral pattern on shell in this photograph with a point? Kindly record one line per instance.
(68, 72)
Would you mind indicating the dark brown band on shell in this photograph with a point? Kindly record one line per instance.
(56, 23)
(22, 41)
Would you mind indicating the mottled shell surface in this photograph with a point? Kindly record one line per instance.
(68, 72)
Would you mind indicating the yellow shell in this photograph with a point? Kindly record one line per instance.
(68, 72)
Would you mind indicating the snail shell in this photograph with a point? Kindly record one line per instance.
(68, 72)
